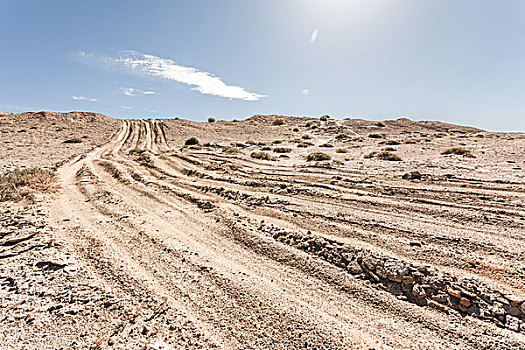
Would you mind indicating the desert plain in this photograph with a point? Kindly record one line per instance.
(271, 232)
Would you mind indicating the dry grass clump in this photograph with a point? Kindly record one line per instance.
(231, 150)
(262, 156)
(341, 150)
(460, 151)
(391, 142)
(23, 183)
(385, 155)
(410, 142)
(74, 140)
(278, 122)
(318, 157)
(327, 145)
(192, 141)
(282, 150)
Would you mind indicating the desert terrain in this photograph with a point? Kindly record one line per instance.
(272, 232)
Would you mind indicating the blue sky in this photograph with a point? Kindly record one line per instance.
(459, 61)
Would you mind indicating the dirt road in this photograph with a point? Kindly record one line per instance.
(237, 253)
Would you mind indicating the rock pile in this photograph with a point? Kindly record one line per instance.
(416, 283)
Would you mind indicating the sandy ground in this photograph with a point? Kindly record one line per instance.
(153, 245)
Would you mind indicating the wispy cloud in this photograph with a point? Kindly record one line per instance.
(83, 98)
(127, 107)
(134, 92)
(305, 92)
(203, 82)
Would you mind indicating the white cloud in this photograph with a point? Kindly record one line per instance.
(305, 92)
(134, 92)
(127, 107)
(83, 98)
(204, 82)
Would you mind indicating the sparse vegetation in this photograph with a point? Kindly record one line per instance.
(282, 150)
(75, 140)
(22, 183)
(384, 155)
(192, 141)
(460, 151)
(251, 142)
(306, 137)
(318, 157)
(266, 148)
(341, 136)
(308, 124)
(278, 122)
(409, 141)
(324, 118)
(262, 156)
(389, 149)
(341, 150)
(211, 120)
(295, 130)
(277, 142)
(327, 145)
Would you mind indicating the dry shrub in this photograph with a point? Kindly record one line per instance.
(282, 150)
(278, 122)
(318, 157)
(23, 183)
(460, 151)
(385, 155)
(262, 156)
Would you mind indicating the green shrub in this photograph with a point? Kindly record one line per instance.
(324, 118)
(211, 120)
(318, 157)
(192, 141)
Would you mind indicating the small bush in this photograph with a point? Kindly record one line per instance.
(211, 120)
(304, 144)
(251, 142)
(262, 156)
(385, 155)
(391, 142)
(277, 142)
(410, 142)
(282, 150)
(341, 136)
(460, 151)
(231, 150)
(379, 124)
(308, 124)
(266, 148)
(278, 122)
(17, 184)
(327, 145)
(306, 137)
(295, 130)
(324, 118)
(341, 150)
(375, 136)
(192, 141)
(389, 149)
(318, 157)
(75, 140)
